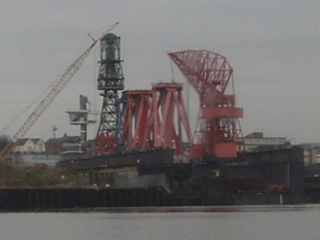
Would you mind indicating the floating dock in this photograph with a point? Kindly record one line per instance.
(152, 179)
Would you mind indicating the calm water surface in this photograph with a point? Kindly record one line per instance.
(230, 223)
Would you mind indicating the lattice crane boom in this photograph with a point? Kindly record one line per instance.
(218, 131)
(48, 99)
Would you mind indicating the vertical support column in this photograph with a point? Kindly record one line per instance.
(169, 113)
(110, 81)
(136, 132)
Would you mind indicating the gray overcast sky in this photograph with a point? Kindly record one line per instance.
(273, 47)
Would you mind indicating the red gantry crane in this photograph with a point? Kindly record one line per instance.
(218, 130)
(44, 104)
(156, 119)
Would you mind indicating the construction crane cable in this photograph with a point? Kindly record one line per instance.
(35, 100)
(27, 107)
(44, 104)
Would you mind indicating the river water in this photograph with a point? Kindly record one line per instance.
(229, 223)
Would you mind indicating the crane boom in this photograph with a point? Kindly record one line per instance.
(218, 133)
(58, 87)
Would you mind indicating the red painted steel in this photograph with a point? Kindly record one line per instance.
(169, 116)
(156, 119)
(222, 112)
(105, 144)
(137, 120)
(218, 130)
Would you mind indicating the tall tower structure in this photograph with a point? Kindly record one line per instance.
(81, 118)
(110, 81)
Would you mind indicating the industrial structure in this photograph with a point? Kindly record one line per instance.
(81, 118)
(110, 81)
(52, 94)
(156, 118)
(146, 154)
(218, 130)
(150, 119)
(143, 120)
